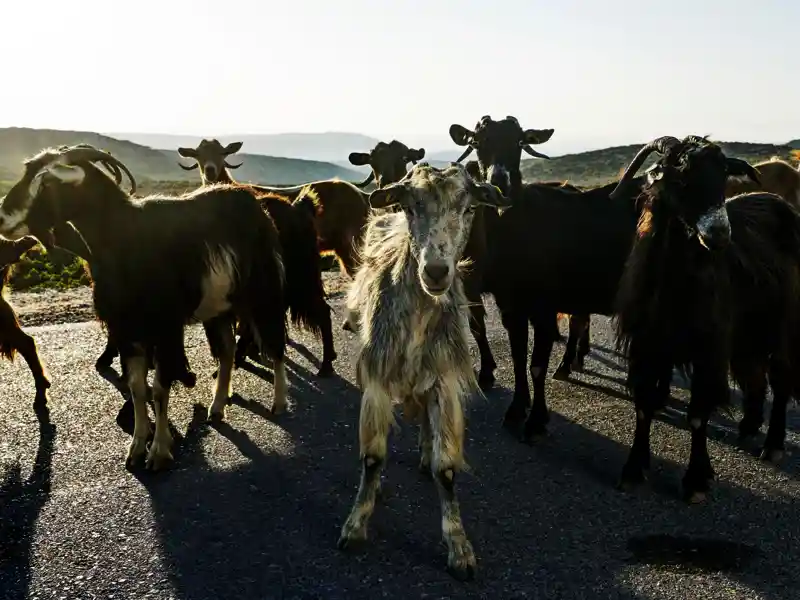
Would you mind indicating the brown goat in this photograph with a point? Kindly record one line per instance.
(12, 338)
(777, 177)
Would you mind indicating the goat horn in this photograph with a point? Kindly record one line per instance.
(466, 153)
(230, 166)
(92, 154)
(660, 145)
(189, 168)
(534, 153)
(367, 181)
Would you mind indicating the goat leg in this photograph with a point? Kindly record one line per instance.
(447, 427)
(573, 354)
(26, 346)
(160, 454)
(374, 421)
(136, 370)
(222, 342)
(781, 381)
(477, 322)
(516, 326)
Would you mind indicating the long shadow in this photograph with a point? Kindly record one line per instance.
(721, 428)
(21, 503)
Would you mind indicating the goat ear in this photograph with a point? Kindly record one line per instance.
(415, 154)
(474, 170)
(741, 168)
(490, 195)
(460, 134)
(537, 136)
(654, 173)
(387, 196)
(69, 174)
(232, 148)
(187, 152)
(359, 159)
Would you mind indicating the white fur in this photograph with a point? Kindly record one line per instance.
(217, 285)
(501, 171)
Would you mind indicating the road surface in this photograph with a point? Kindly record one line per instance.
(252, 509)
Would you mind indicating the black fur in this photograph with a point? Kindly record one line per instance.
(682, 305)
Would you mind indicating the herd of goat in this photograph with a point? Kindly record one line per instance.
(698, 260)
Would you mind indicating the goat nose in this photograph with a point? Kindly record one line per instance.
(436, 271)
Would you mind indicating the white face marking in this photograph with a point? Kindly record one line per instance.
(715, 219)
(217, 285)
(495, 172)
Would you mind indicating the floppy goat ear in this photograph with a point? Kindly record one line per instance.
(415, 154)
(537, 136)
(489, 195)
(232, 148)
(359, 159)
(387, 196)
(187, 152)
(741, 168)
(460, 134)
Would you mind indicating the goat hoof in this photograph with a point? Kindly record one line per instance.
(562, 373)
(41, 399)
(461, 563)
(278, 409)
(486, 382)
(632, 478)
(159, 456)
(326, 370)
(772, 455)
(352, 539)
(216, 414)
(136, 451)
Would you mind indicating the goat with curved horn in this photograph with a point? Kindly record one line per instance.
(661, 145)
(91, 154)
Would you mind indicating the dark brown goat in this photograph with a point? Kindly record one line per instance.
(712, 286)
(305, 292)
(12, 338)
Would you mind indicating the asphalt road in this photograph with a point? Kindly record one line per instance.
(253, 508)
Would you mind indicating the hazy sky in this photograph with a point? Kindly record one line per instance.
(599, 72)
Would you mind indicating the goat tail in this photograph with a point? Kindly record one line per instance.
(305, 291)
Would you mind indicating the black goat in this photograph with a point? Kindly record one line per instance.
(157, 264)
(702, 276)
(556, 250)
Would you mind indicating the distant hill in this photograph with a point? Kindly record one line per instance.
(598, 167)
(148, 163)
(327, 146)
(794, 144)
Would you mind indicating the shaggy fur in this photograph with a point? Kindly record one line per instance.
(409, 303)
(160, 263)
(12, 338)
(683, 305)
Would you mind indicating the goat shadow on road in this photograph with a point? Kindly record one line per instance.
(21, 503)
(722, 427)
(269, 528)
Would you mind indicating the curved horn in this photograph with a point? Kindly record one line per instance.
(189, 168)
(92, 154)
(660, 145)
(465, 154)
(534, 153)
(113, 168)
(230, 166)
(367, 181)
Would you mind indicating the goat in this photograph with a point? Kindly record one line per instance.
(701, 275)
(305, 291)
(410, 302)
(159, 263)
(547, 233)
(12, 338)
(775, 175)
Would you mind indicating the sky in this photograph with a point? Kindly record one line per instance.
(599, 73)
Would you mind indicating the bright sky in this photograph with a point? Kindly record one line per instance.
(599, 72)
